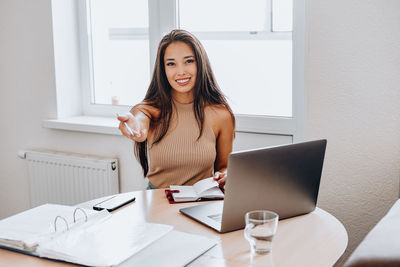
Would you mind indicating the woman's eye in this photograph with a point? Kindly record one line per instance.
(170, 64)
(190, 61)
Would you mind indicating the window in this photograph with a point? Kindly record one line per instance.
(120, 51)
(252, 63)
(256, 49)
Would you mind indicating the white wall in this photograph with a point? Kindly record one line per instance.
(353, 73)
(353, 78)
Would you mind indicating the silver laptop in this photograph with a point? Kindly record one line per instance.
(284, 179)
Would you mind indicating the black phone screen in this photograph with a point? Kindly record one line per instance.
(114, 202)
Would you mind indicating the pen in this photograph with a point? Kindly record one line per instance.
(127, 127)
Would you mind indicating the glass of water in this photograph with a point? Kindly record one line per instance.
(261, 226)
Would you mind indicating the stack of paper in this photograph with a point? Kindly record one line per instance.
(104, 240)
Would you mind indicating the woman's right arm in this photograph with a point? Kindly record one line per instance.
(138, 119)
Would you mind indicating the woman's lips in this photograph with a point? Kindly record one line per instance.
(183, 82)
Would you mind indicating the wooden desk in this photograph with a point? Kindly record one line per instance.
(315, 239)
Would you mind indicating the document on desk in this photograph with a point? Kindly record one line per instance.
(103, 240)
(174, 249)
(25, 230)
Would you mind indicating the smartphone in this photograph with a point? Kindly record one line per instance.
(114, 202)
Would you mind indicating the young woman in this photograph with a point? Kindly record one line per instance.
(184, 128)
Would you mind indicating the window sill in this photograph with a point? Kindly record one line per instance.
(89, 124)
(109, 125)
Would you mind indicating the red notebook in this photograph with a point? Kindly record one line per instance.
(168, 194)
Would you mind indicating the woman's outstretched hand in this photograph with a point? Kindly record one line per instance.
(220, 177)
(130, 127)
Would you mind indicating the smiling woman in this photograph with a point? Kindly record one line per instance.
(181, 71)
(184, 117)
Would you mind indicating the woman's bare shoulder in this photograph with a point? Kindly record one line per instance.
(219, 112)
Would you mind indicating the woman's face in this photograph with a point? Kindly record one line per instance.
(181, 70)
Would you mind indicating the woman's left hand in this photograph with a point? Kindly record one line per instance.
(220, 177)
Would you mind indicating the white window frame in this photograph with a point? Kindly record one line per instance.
(163, 18)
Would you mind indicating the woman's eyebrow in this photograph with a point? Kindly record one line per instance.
(172, 59)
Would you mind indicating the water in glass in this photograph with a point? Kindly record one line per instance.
(260, 229)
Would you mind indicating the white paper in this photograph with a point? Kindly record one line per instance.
(186, 193)
(174, 249)
(204, 184)
(26, 229)
(104, 242)
(214, 192)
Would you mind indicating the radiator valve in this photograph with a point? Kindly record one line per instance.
(21, 154)
(113, 165)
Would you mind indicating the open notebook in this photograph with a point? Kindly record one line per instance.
(205, 189)
(95, 239)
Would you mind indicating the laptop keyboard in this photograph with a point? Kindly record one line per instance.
(216, 217)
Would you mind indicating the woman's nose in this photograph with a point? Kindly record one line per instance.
(181, 70)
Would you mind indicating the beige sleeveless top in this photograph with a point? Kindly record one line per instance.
(179, 158)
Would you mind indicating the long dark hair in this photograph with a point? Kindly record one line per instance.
(206, 91)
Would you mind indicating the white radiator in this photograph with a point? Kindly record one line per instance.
(64, 178)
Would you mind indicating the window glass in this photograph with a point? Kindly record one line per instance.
(224, 15)
(256, 76)
(120, 58)
(255, 72)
